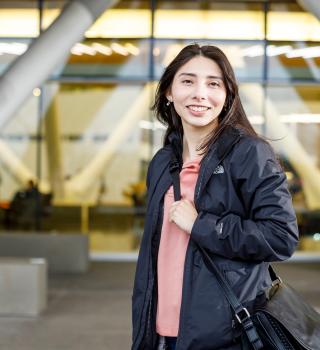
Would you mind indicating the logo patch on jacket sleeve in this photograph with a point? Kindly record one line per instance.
(219, 170)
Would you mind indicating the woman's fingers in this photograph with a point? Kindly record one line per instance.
(183, 213)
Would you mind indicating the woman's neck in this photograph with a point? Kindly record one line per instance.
(192, 140)
(191, 143)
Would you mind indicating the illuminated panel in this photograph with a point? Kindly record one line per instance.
(209, 24)
(184, 24)
(293, 26)
(112, 23)
(19, 22)
(116, 23)
(49, 15)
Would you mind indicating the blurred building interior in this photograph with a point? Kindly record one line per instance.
(75, 116)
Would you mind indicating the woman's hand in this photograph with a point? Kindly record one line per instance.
(184, 214)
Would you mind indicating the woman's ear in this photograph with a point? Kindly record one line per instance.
(169, 97)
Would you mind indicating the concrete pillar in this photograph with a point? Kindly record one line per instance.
(45, 53)
(53, 142)
(312, 6)
(17, 169)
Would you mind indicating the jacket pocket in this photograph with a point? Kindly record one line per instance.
(245, 281)
(208, 319)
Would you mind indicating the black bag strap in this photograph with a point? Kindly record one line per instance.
(241, 313)
(174, 168)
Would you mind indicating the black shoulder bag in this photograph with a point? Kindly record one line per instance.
(286, 322)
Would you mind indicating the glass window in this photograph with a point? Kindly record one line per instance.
(18, 151)
(96, 139)
(95, 148)
(293, 114)
(294, 61)
(101, 132)
(104, 136)
(252, 98)
(244, 60)
(128, 59)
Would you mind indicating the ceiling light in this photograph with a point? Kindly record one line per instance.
(273, 50)
(253, 51)
(13, 48)
(119, 49)
(132, 49)
(105, 50)
(83, 49)
(36, 92)
(306, 52)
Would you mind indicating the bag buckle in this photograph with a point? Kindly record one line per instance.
(277, 281)
(242, 315)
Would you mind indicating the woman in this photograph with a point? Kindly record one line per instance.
(235, 204)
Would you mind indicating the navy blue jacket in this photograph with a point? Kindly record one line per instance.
(245, 219)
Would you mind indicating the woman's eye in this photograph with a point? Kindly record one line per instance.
(187, 82)
(214, 84)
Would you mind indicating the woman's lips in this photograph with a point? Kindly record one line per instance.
(198, 110)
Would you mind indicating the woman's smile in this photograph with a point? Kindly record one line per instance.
(198, 110)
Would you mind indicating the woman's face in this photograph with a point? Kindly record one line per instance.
(198, 93)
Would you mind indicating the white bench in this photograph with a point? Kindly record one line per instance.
(23, 286)
(65, 253)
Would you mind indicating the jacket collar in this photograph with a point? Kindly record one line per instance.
(228, 138)
(223, 145)
(160, 184)
(217, 152)
(226, 141)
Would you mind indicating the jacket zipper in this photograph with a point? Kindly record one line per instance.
(206, 160)
(188, 248)
(196, 198)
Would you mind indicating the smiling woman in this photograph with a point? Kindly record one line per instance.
(202, 78)
(234, 204)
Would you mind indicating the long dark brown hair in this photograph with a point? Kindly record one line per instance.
(232, 114)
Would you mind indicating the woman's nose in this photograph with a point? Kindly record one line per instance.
(200, 92)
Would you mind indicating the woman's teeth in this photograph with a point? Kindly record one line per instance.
(198, 108)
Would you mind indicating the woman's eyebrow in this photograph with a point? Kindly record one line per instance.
(195, 75)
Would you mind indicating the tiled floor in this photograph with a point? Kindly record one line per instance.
(92, 311)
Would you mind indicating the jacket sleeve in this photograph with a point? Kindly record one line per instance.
(269, 231)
